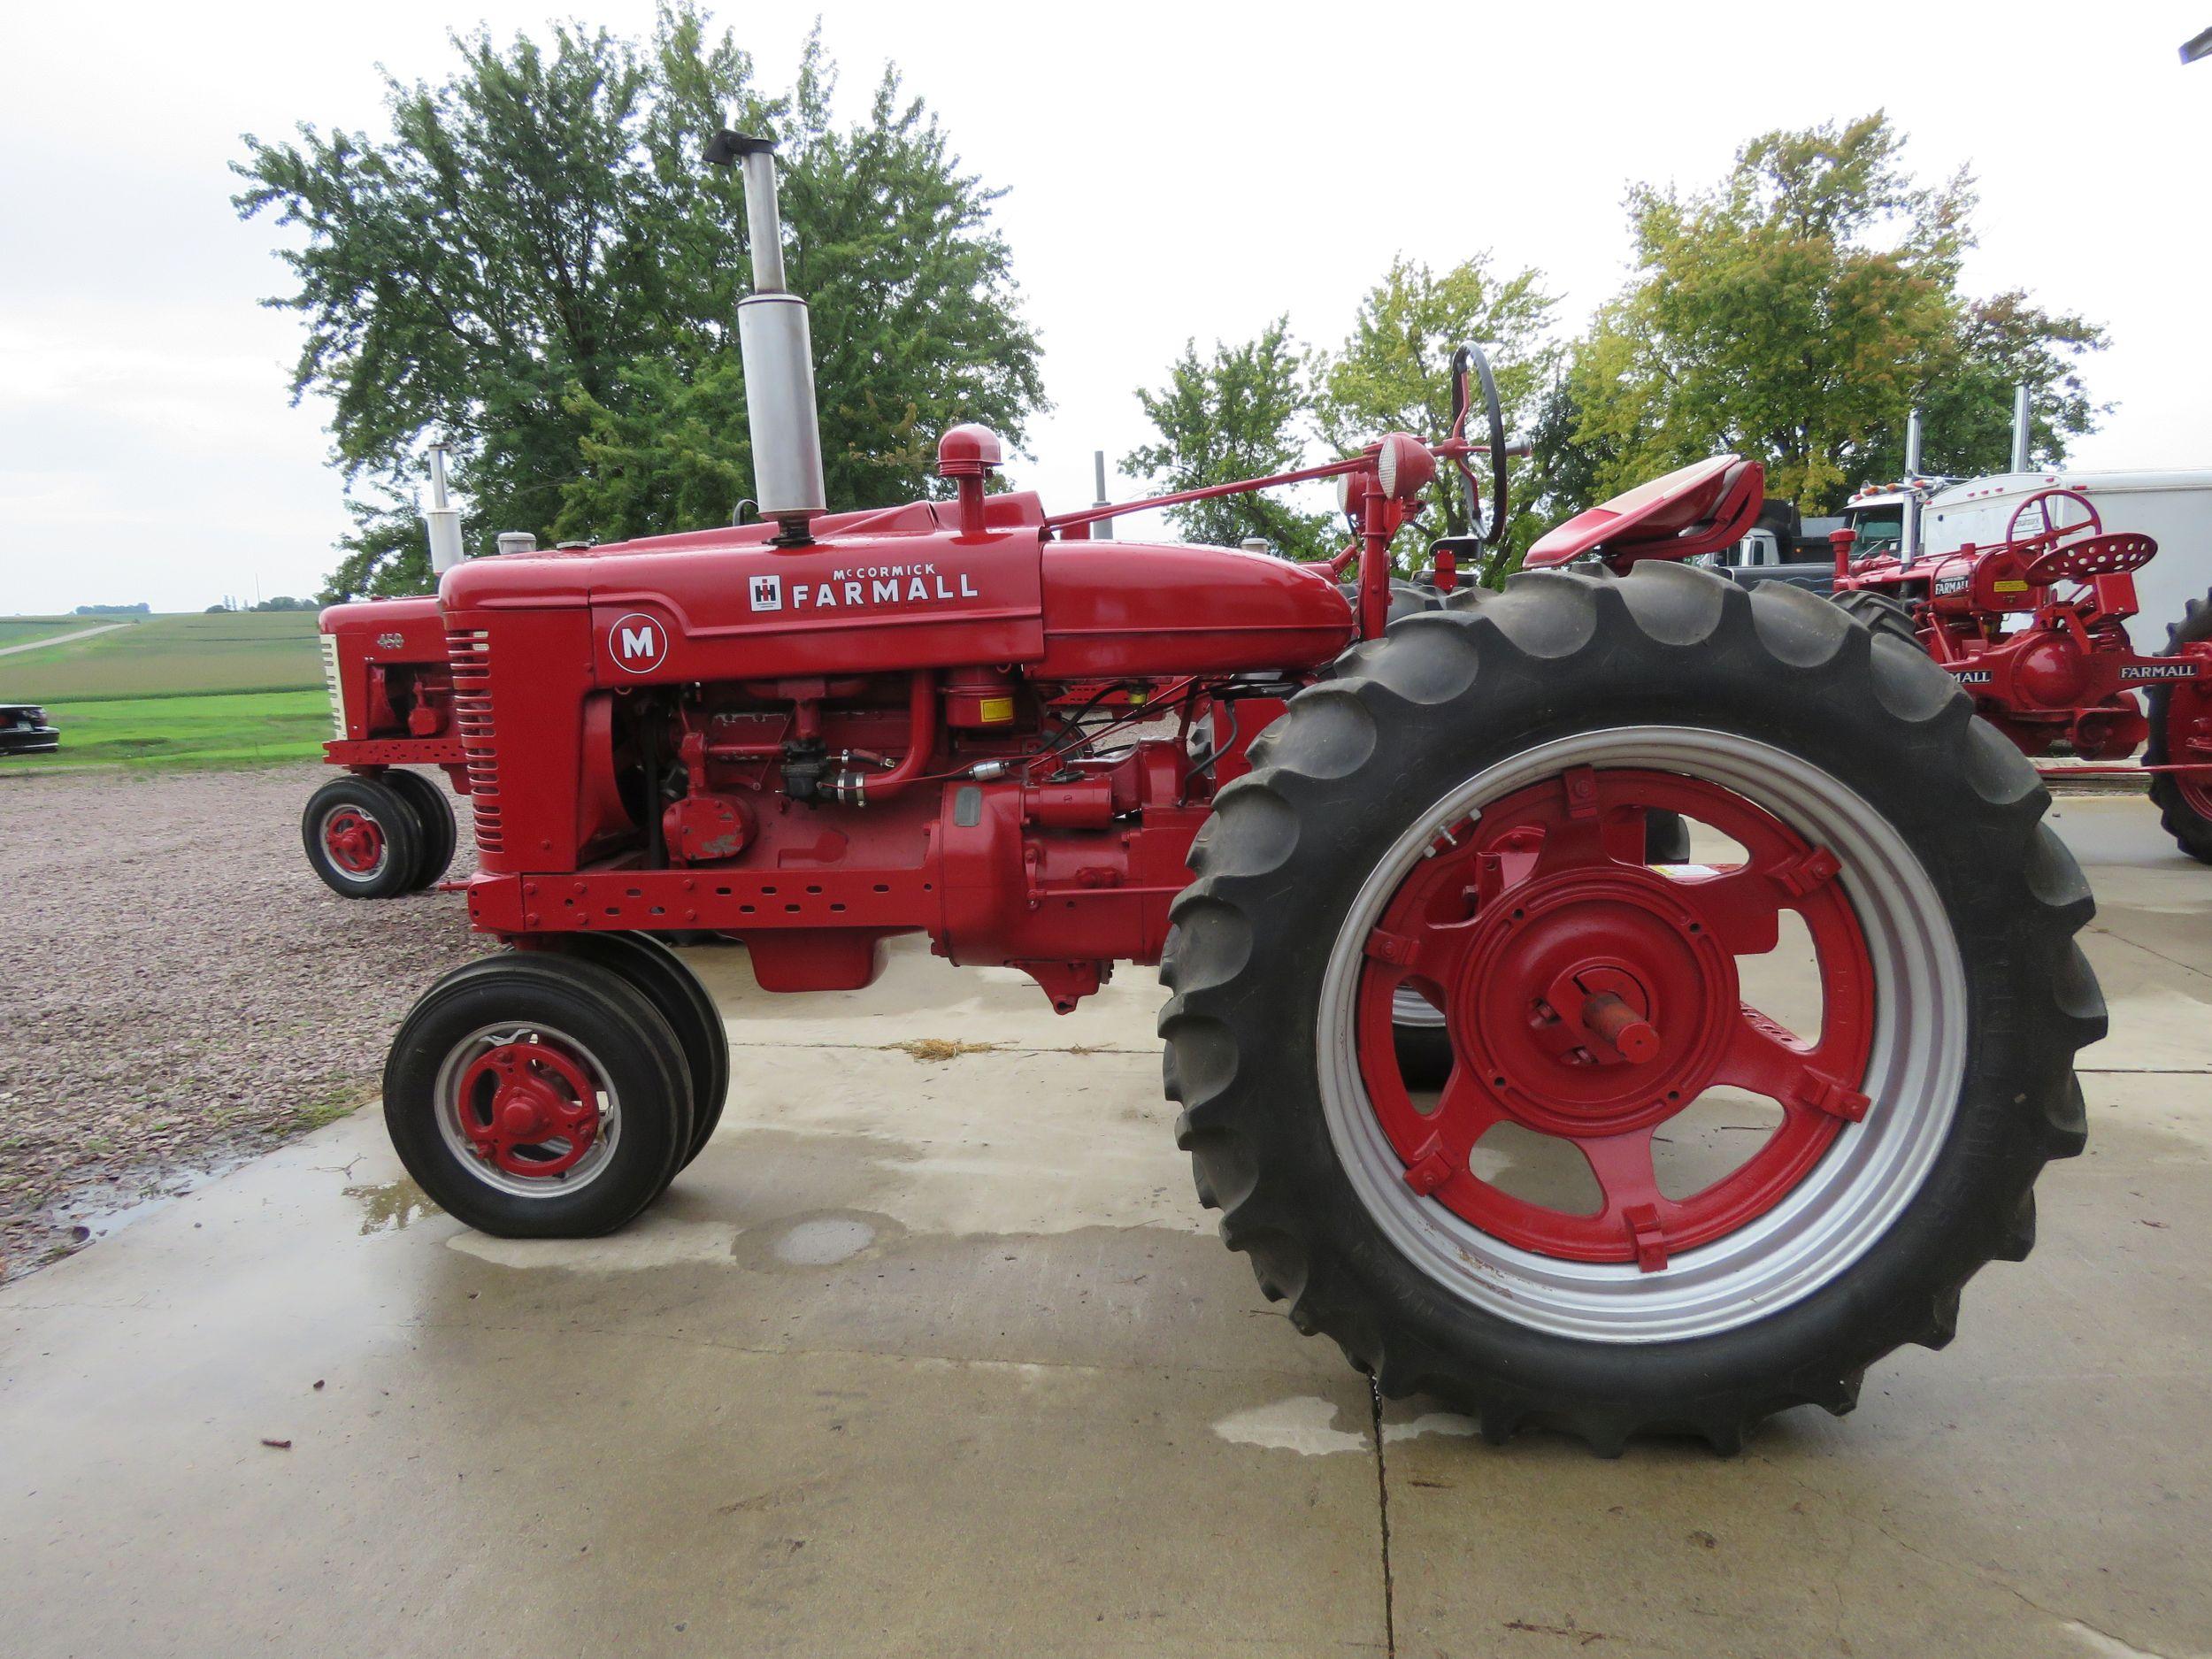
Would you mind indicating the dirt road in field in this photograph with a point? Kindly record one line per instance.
(177, 992)
(61, 639)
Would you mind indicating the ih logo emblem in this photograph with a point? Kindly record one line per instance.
(767, 592)
(639, 644)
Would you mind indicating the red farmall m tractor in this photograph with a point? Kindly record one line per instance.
(2034, 628)
(815, 734)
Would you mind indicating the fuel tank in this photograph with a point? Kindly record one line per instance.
(1132, 608)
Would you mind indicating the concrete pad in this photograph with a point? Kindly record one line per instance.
(2043, 1486)
(680, 1439)
(937, 1356)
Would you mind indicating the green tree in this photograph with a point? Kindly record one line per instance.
(1795, 312)
(1394, 372)
(1238, 414)
(1966, 412)
(535, 264)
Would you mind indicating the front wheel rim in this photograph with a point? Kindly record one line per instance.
(528, 1110)
(1894, 1057)
(354, 843)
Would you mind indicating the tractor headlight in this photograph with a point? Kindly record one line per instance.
(1403, 465)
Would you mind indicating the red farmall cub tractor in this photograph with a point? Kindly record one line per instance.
(815, 733)
(2034, 628)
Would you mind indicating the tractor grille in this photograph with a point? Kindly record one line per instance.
(469, 651)
(335, 686)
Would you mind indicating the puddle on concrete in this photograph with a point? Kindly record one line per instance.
(825, 1238)
(824, 1241)
(1305, 1423)
(389, 1206)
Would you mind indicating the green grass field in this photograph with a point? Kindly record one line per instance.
(251, 728)
(241, 688)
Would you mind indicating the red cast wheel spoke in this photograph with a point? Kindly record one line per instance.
(1429, 950)
(1591, 998)
(1765, 1059)
(1624, 1169)
(1743, 905)
(1465, 1112)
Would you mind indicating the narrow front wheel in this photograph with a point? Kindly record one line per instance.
(433, 811)
(363, 838)
(534, 1095)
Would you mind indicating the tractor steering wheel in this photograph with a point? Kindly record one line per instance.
(2052, 532)
(1469, 365)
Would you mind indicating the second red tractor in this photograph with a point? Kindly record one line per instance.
(2034, 628)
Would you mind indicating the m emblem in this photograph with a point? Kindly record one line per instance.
(767, 592)
(639, 644)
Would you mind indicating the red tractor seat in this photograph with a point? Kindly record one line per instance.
(1693, 510)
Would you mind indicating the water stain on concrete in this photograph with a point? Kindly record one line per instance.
(1446, 1423)
(818, 1238)
(651, 1241)
(1305, 1424)
(824, 1241)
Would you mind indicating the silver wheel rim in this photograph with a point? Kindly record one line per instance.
(1408, 1007)
(447, 1096)
(1838, 1211)
(353, 878)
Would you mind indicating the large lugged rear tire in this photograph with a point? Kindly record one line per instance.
(2177, 715)
(1458, 802)
(1885, 613)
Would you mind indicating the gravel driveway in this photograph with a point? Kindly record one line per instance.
(180, 992)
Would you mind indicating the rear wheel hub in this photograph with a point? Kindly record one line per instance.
(1592, 998)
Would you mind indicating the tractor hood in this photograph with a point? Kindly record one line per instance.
(902, 589)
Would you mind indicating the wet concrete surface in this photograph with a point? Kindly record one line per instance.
(940, 1357)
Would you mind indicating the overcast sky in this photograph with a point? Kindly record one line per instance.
(1174, 170)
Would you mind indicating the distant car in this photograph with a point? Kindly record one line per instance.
(23, 730)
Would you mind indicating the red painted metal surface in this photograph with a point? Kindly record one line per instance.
(375, 754)
(529, 1108)
(1593, 999)
(1696, 509)
(354, 839)
(387, 662)
(813, 748)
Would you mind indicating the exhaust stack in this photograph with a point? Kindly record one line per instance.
(1909, 545)
(778, 351)
(2020, 412)
(443, 518)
